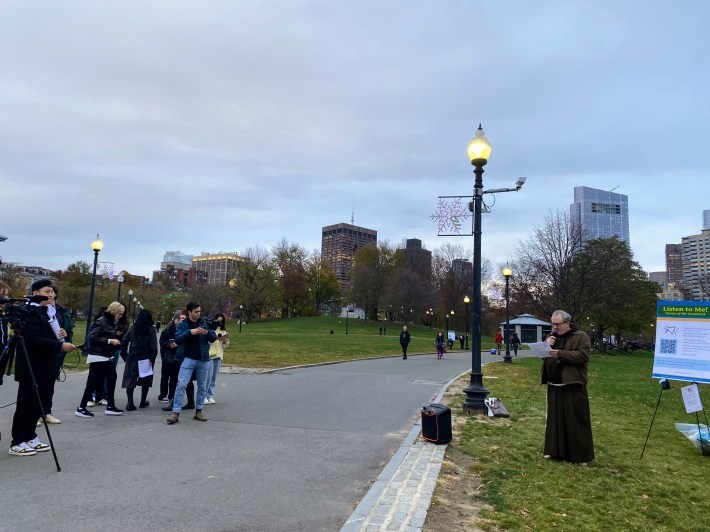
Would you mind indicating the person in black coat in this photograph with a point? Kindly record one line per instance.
(139, 344)
(43, 348)
(404, 339)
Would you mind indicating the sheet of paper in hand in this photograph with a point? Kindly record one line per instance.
(541, 349)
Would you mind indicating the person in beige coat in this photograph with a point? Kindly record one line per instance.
(216, 357)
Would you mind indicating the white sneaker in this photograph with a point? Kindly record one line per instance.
(22, 449)
(90, 404)
(52, 420)
(103, 402)
(38, 445)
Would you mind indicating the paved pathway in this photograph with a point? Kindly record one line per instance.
(292, 450)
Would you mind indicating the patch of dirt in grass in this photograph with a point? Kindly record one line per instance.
(457, 500)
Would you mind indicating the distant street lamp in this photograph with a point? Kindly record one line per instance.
(431, 317)
(453, 323)
(507, 272)
(120, 282)
(241, 317)
(130, 298)
(466, 300)
(135, 305)
(96, 246)
(347, 315)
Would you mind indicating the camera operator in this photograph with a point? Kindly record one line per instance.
(43, 348)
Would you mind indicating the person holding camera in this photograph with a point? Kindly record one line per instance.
(43, 348)
(216, 355)
(192, 337)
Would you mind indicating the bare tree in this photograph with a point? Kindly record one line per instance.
(544, 278)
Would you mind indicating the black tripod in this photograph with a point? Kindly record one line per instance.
(16, 346)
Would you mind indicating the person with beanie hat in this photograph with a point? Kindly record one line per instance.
(43, 345)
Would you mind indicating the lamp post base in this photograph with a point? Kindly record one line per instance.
(507, 358)
(475, 396)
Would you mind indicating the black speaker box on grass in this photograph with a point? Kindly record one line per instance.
(436, 423)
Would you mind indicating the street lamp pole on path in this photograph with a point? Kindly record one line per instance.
(507, 272)
(466, 300)
(479, 149)
(96, 245)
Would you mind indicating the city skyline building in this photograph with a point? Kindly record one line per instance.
(339, 244)
(217, 266)
(418, 258)
(600, 214)
(706, 219)
(176, 258)
(696, 266)
(674, 263)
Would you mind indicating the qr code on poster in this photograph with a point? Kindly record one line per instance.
(668, 347)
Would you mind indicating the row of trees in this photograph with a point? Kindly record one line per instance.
(599, 283)
(284, 281)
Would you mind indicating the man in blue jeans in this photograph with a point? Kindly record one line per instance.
(192, 338)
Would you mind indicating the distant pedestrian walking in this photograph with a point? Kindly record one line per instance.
(440, 347)
(515, 342)
(461, 340)
(404, 341)
(499, 342)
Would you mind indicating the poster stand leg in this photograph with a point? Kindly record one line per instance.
(697, 421)
(665, 385)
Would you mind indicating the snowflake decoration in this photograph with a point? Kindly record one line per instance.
(449, 216)
(107, 270)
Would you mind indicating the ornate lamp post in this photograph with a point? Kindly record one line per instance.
(96, 246)
(466, 300)
(507, 272)
(347, 316)
(241, 317)
(135, 305)
(453, 324)
(431, 317)
(479, 150)
(120, 282)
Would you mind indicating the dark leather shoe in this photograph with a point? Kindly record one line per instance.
(144, 404)
(130, 407)
(168, 408)
(188, 406)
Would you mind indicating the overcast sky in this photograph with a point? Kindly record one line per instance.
(224, 125)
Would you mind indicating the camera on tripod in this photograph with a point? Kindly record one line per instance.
(17, 308)
(14, 312)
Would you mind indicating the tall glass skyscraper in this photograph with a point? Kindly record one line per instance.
(600, 214)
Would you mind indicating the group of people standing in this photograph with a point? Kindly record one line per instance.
(190, 349)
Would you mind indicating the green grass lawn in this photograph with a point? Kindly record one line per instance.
(286, 342)
(666, 490)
